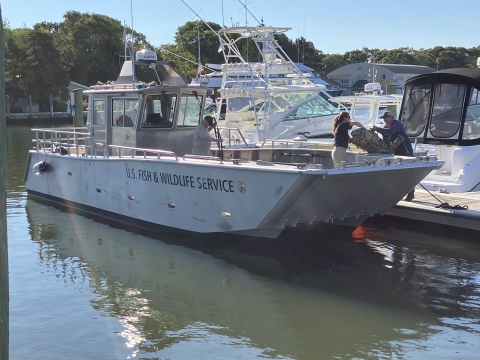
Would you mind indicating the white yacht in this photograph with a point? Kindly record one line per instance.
(272, 99)
(441, 115)
(441, 111)
(132, 164)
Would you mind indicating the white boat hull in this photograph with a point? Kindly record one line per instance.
(210, 197)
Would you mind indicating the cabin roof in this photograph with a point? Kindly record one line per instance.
(460, 74)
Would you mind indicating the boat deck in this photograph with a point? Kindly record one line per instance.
(460, 210)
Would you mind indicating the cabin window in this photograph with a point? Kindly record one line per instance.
(447, 109)
(99, 112)
(124, 112)
(190, 110)
(159, 111)
(414, 113)
(471, 128)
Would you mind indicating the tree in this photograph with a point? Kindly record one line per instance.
(187, 37)
(472, 56)
(33, 66)
(184, 62)
(92, 47)
(313, 57)
(332, 62)
(452, 57)
(396, 56)
(356, 56)
(421, 57)
(290, 48)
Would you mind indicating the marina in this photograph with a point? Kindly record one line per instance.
(127, 239)
(106, 290)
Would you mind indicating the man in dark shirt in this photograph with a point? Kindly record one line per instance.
(390, 132)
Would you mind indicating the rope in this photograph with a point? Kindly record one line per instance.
(445, 205)
(184, 58)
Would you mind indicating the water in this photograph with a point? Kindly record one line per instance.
(83, 289)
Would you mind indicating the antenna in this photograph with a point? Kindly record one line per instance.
(200, 18)
(223, 16)
(198, 44)
(298, 40)
(246, 9)
(246, 24)
(132, 56)
(303, 55)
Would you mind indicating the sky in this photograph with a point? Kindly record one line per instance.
(333, 26)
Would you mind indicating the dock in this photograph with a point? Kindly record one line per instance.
(461, 210)
(40, 118)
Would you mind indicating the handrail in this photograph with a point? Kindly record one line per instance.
(133, 150)
(202, 157)
(61, 131)
(294, 144)
(59, 140)
(230, 129)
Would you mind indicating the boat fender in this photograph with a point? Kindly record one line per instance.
(40, 167)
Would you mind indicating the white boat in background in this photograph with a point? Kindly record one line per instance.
(367, 108)
(132, 164)
(272, 99)
(214, 79)
(441, 111)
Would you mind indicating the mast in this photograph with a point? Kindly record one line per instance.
(4, 287)
(198, 44)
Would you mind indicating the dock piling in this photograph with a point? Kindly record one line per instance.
(4, 292)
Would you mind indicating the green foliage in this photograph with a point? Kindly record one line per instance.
(332, 62)
(183, 61)
(87, 48)
(59, 106)
(356, 56)
(187, 37)
(33, 65)
(91, 46)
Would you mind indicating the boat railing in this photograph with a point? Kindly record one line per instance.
(234, 137)
(144, 152)
(61, 140)
(202, 157)
(275, 143)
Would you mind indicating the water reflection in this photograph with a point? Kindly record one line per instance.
(382, 292)
(291, 297)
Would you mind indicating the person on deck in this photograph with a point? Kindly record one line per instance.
(392, 129)
(341, 125)
(202, 138)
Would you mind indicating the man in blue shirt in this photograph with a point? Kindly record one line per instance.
(390, 132)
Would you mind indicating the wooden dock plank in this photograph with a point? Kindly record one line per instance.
(425, 208)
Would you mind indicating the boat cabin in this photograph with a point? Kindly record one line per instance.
(443, 107)
(161, 114)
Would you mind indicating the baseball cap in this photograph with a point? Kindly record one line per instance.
(386, 114)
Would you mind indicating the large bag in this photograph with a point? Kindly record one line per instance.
(370, 142)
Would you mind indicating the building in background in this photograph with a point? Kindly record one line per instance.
(353, 77)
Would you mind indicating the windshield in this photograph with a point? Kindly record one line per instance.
(471, 128)
(212, 111)
(416, 102)
(315, 107)
(277, 102)
(447, 109)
